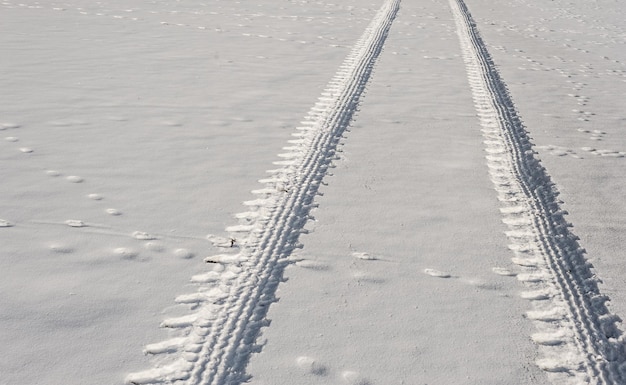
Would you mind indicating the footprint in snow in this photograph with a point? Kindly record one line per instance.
(74, 179)
(364, 256)
(183, 253)
(311, 366)
(142, 236)
(126, 253)
(437, 273)
(6, 126)
(154, 246)
(354, 378)
(75, 223)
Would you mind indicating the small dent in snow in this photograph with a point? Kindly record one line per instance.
(364, 256)
(365, 277)
(553, 366)
(597, 135)
(503, 271)
(437, 273)
(53, 173)
(551, 315)
(526, 262)
(126, 253)
(171, 123)
(311, 366)
(558, 151)
(354, 378)
(11, 139)
(313, 265)
(74, 179)
(548, 339)
(183, 253)
(61, 248)
(26, 150)
(143, 236)
(482, 284)
(6, 126)
(67, 123)
(606, 153)
(114, 212)
(95, 197)
(537, 295)
(5, 223)
(154, 246)
(75, 223)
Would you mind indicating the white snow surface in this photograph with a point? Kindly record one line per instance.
(134, 135)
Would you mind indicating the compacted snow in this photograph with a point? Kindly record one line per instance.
(404, 229)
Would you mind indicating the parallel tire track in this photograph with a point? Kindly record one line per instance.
(232, 300)
(577, 333)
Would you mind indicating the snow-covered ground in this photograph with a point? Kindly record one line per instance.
(405, 234)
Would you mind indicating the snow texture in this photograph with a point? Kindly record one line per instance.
(449, 210)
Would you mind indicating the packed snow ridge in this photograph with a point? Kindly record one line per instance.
(576, 332)
(232, 299)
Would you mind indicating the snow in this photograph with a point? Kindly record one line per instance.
(145, 147)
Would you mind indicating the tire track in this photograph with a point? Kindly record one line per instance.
(232, 300)
(578, 337)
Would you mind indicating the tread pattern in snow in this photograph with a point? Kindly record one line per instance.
(579, 338)
(232, 300)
